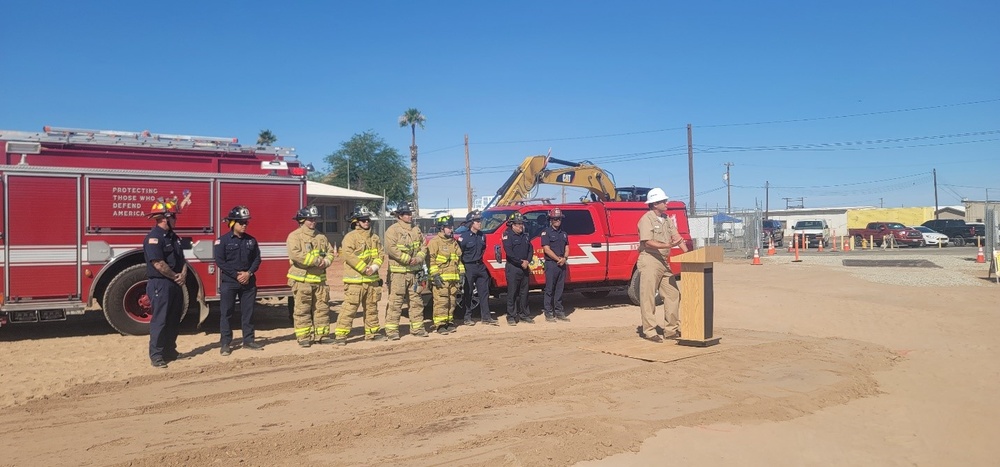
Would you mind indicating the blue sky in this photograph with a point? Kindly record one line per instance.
(839, 103)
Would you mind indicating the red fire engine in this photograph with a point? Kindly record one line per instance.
(73, 205)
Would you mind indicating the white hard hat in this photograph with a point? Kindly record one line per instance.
(656, 195)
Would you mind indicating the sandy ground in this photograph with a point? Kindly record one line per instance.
(817, 366)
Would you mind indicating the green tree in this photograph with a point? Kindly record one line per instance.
(266, 138)
(373, 166)
(411, 118)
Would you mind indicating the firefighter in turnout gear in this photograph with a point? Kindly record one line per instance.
(404, 245)
(362, 252)
(445, 272)
(308, 258)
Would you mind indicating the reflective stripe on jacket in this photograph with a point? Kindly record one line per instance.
(361, 249)
(445, 257)
(403, 242)
(306, 250)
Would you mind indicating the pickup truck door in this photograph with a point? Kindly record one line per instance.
(588, 246)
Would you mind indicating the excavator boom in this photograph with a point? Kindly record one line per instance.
(534, 171)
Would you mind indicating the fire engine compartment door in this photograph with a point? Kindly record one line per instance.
(272, 206)
(42, 237)
(3, 243)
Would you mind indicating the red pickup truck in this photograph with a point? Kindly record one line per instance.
(881, 232)
(603, 244)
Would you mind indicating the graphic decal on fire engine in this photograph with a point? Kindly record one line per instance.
(119, 204)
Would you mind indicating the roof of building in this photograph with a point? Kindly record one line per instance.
(322, 190)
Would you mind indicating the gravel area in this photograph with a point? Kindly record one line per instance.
(953, 270)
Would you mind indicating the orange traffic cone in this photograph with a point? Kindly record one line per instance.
(980, 258)
(821, 245)
(756, 257)
(846, 243)
(791, 244)
(770, 247)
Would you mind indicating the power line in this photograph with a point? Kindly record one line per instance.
(721, 125)
(865, 114)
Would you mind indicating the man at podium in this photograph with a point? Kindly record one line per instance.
(657, 235)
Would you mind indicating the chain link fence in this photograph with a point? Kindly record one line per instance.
(738, 233)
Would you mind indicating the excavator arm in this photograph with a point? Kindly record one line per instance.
(521, 182)
(534, 171)
(593, 178)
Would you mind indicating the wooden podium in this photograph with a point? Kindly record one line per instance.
(697, 299)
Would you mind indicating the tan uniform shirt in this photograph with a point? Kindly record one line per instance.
(662, 229)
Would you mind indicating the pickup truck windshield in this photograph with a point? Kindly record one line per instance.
(809, 225)
(493, 219)
(895, 226)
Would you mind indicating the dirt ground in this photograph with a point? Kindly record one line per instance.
(817, 366)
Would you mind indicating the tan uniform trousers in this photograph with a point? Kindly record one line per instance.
(444, 302)
(311, 314)
(356, 296)
(401, 290)
(655, 276)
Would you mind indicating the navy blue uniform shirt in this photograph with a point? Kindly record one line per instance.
(162, 245)
(517, 247)
(234, 254)
(556, 239)
(473, 245)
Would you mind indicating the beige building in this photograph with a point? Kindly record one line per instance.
(334, 204)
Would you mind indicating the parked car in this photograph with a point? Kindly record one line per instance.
(979, 233)
(814, 232)
(957, 230)
(893, 232)
(931, 236)
(772, 230)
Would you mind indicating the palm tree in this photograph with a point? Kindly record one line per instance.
(412, 118)
(266, 138)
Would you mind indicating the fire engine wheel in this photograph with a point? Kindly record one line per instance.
(126, 305)
(596, 294)
(633, 290)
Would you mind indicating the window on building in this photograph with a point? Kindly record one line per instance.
(330, 223)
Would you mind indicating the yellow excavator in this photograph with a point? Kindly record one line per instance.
(535, 171)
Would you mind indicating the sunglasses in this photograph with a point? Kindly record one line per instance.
(242, 222)
(364, 220)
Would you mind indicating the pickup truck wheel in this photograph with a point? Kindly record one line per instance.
(959, 241)
(633, 290)
(126, 305)
(596, 294)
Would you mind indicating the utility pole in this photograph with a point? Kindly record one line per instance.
(690, 174)
(729, 198)
(935, 196)
(880, 205)
(767, 198)
(468, 177)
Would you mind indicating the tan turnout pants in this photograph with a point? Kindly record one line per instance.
(357, 296)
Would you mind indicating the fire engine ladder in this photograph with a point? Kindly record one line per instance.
(144, 139)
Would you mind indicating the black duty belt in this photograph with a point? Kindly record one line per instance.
(473, 262)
